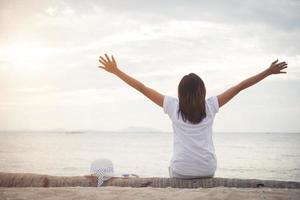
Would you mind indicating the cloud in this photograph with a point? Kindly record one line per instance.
(49, 49)
(233, 11)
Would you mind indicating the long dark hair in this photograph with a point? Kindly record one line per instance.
(191, 95)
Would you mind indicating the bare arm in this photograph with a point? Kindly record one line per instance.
(275, 68)
(110, 65)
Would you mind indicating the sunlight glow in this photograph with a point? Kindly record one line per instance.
(19, 54)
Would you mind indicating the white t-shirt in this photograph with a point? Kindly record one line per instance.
(193, 148)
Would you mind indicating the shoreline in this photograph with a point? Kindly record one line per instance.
(36, 186)
(147, 193)
(41, 180)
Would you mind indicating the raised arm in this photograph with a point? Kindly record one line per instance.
(275, 68)
(110, 65)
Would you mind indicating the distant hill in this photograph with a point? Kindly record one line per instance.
(139, 129)
(131, 129)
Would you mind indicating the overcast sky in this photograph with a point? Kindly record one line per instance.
(49, 75)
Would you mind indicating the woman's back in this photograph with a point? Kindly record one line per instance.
(193, 149)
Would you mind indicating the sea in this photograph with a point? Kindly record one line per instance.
(266, 155)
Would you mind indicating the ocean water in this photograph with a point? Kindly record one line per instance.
(240, 155)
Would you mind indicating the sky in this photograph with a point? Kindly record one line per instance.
(49, 75)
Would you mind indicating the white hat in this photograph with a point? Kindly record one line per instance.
(103, 169)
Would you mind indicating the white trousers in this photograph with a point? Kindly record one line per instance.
(173, 174)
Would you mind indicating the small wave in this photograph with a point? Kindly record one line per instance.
(69, 168)
(74, 132)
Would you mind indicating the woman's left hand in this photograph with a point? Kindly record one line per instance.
(110, 64)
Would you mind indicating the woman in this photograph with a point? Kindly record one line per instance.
(192, 117)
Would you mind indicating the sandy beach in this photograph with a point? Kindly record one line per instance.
(148, 193)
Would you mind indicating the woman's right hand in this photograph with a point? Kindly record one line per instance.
(276, 67)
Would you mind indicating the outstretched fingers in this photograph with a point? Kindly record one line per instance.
(103, 63)
(281, 64)
(281, 72)
(108, 63)
(102, 60)
(113, 59)
(277, 67)
(108, 59)
(282, 68)
(275, 62)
